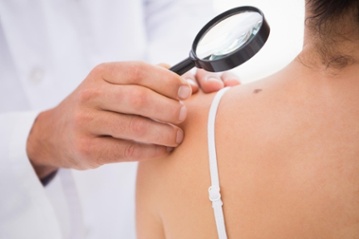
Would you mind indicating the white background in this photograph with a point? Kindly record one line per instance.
(286, 20)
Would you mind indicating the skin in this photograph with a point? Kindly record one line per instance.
(287, 150)
(122, 111)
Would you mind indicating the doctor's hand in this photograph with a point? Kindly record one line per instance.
(121, 112)
(210, 82)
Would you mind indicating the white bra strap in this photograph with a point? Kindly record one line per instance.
(214, 189)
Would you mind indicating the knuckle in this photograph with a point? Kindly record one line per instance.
(84, 152)
(82, 148)
(81, 119)
(138, 99)
(138, 127)
(130, 151)
(137, 71)
(86, 95)
(99, 69)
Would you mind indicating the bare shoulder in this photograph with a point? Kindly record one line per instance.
(283, 172)
(176, 187)
(172, 192)
(170, 187)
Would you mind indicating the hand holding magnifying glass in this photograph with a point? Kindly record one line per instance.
(227, 41)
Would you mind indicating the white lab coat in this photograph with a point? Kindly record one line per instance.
(47, 47)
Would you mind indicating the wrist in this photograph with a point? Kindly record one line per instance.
(37, 150)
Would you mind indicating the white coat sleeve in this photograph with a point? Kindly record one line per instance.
(172, 26)
(24, 206)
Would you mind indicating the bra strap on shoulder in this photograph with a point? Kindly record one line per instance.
(214, 189)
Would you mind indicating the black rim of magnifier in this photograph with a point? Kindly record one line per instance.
(239, 56)
(232, 59)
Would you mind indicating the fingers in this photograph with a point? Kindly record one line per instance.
(230, 79)
(103, 150)
(164, 65)
(137, 100)
(156, 78)
(208, 81)
(211, 82)
(191, 79)
(121, 112)
(135, 128)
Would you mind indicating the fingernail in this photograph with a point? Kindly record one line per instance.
(183, 113)
(213, 78)
(191, 81)
(179, 137)
(184, 92)
(231, 82)
(216, 82)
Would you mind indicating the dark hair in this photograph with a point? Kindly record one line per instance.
(326, 10)
(325, 20)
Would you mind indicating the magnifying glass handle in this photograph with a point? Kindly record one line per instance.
(184, 66)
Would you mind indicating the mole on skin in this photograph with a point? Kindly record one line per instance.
(256, 91)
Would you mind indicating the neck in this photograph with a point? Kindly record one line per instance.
(331, 45)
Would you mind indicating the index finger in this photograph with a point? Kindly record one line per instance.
(156, 78)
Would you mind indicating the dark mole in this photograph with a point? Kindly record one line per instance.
(256, 91)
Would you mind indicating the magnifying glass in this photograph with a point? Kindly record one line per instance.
(227, 41)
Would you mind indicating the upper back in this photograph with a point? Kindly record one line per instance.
(288, 159)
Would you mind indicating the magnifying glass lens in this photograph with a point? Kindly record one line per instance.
(227, 41)
(229, 35)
